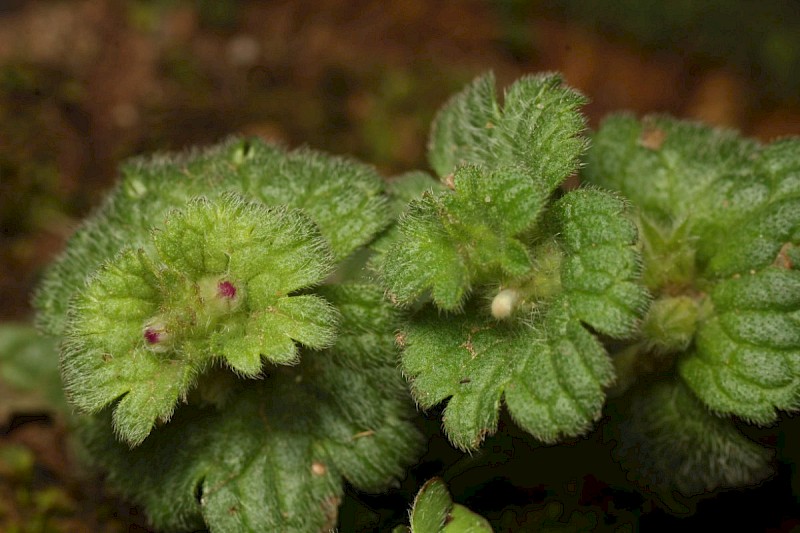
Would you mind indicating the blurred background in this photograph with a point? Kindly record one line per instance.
(87, 83)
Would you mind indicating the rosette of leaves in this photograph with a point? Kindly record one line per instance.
(220, 376)
(344, 198)
(219, 283)
(173, 255)
(512, 283)
(720, 224)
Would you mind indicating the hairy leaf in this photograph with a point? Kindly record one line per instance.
(434, 512)
(537, 128)
(721, 220)
(552, 378)
(343, 198)
(746, 357)
(601, 266)
(544, 361)
(274, 459)
(680, 162)
(219, 281)
(669, 441)
(450, 239)
(464, 128)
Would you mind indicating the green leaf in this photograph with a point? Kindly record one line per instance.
(342, 196)
(558, 390)
(344, 199)
(601, 269)
(463, 520)
(755, 215)
(537, 128)
(721, 221)
(680, 163)
(434, 512)
(669, 441)
(219, 281)
(552, 374)
(402, 190)
(29, 374)
(366, 335)
(465, 127)
(746, 356)
(275, 458)
(431, 506)
(449, 240)
(542, 359)
(423, 257)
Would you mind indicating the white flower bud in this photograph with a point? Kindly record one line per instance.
(504, 303)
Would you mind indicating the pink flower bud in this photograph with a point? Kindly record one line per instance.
(152, 336)
(156, 336)
(226, 289)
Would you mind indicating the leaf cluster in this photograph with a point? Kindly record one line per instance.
(229, 319)
(557, 266)
(206, 349)
(720, 221)
(720, 217)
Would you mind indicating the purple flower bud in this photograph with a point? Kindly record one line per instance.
(226, 289)
(156, 336)
(152, 336)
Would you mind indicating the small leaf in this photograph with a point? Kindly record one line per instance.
(423, 257)
(464, 128)
(401, 190)
(463, 520)
(558, 390)
(434, 512)
(601, 269)
(756, 240)
(538, 128)
(431, 507)
(449, 240)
